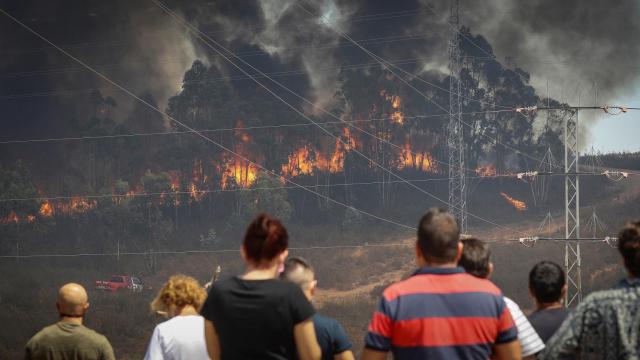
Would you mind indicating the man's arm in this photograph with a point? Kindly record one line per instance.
(345, 355)
(370, 354)
(508, 351)
(306, 343)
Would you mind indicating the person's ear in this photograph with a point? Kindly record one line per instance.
(459, 254)
(420, 260)
(564, 290)
(283, 256)
(243, 253)
(85, 307)
(490, 271)
(313, 286)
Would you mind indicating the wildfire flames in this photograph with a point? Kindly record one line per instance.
(12, 217)
(46, 210)
(486, 170)
(519, 205)
(305, 160)
(243, 173)
(396, 115)
(416, 160)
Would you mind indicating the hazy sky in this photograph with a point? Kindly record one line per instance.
(618, 133)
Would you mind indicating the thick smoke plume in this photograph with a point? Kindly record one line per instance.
(572, 49)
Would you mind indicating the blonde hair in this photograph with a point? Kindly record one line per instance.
(180, 290)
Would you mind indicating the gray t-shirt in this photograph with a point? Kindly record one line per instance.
(66, 341)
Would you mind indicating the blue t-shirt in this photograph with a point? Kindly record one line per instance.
(331, 336)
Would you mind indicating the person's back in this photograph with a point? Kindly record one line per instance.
(331, 337)
(606, 325)
(547, 321)
(182, 336)
(443, 314)
(255, 318)
(547, 286)
(68, 339)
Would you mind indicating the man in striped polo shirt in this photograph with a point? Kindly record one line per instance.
(476, 260)
(441, 312)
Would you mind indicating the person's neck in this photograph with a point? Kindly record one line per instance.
(261, 273)
(430, 264)
(188, 310)
(71, 320)
(549, 306)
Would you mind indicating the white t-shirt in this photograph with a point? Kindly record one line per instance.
(530, 341)
(180, 338)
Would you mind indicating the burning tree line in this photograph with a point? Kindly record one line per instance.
(181, 170)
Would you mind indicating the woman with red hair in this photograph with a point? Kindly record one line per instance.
(255, 315)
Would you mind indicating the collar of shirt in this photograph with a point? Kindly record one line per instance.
(628, 283)
(439, 271)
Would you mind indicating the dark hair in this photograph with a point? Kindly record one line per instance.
(629, 247)
(265, 238)
(298, 271)
(546, 281)
(438, 236)
(475, 258)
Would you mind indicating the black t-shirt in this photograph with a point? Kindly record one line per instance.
(254, 319)
(331, 336)
(546, 322)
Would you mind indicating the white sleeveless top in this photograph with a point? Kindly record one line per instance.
(179, 338)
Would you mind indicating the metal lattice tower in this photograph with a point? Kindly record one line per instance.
(455, 138)
(572, 258)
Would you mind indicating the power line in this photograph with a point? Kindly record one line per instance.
(244, 54)
(267, 171)
(171, 193)
(197, 33)
(308, 248)
(257, 127)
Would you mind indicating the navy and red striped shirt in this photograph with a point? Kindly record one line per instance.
(441, 313)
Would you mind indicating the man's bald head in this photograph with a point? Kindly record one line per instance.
(72, 300)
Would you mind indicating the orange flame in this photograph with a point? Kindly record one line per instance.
(243, 172)
(46, 210)
(299, 163)
(416, 160)
(12, 217)
(486, 170)
(519, 205)
(195, 194)
(396, 116)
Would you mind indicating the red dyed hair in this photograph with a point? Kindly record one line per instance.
(265, 239)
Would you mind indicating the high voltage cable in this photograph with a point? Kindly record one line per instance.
(253, 53)
(197, 33)
(199, 192)
(257, 127)
(378, 16)
(308, 248)
(267, 171)
(215, 191)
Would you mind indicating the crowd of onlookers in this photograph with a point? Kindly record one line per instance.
(448, 309)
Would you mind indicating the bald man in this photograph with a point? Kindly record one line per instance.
(69, 339)
(330, 335)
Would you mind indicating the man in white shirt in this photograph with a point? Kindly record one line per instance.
(476, 260)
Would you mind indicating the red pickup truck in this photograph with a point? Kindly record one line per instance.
(121, 283)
